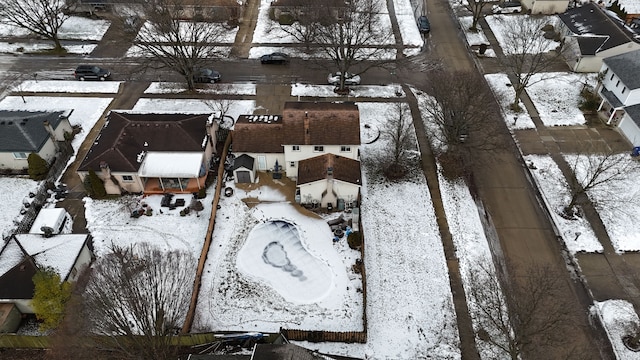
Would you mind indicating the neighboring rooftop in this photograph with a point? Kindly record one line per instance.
(589, 20)
(126, 137)
(627, 67)
(24, 131)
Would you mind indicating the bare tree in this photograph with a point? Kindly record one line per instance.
(137, 299)
(349, 33)
(525, 318)
(475, 7)
(398, 131)
(593, 171)
(179, 36)
(41, 17)
(527, 50)
(460, 110)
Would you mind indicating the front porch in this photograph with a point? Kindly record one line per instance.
(173, 185)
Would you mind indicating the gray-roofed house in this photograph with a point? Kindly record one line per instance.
(545, 6)
(152, 153)
(302, 138)
(590, 35)
(25, 132)
(619, 90)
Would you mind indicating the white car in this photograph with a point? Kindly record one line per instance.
(508, 7)
(349, 79)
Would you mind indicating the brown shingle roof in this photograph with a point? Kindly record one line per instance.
(125, 135)
(315, 169)
(258, 134)
(324, 123)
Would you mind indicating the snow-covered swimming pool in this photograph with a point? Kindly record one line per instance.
(274, 254)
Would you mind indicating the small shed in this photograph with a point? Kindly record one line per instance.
(57, 219)
(10, 317)
(244, 170)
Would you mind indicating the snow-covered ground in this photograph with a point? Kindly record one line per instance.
(504, 93)
(618, 201)
(619, 319)
(556, 96)
(576, 234)
(14, 192)
(382, 91)
(236, 107)
(503, 25)
(226, 89)
(68, 86)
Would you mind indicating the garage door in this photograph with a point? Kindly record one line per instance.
(243, 176)
(630, 130)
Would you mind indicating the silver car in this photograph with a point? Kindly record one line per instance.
(349, 79)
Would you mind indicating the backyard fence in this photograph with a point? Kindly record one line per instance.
(325, 336)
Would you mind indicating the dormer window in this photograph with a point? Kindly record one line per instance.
(318, 148)
(345, 148)
(295, 148)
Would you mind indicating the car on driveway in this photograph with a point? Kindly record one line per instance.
(423, 25)
(206, 76)
(349, 79)
(274, 58)
(91, 72)
(507, 7)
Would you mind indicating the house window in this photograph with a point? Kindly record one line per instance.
(618, 83)
(127, 178)
(295, 148)
(318, 148)
(292, 164)
(624, 88)
(74, 272)
(345, 148)
(20, 155)
(611, 78)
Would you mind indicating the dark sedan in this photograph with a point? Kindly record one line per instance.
(423, 25)
(206, 76)
(274, 58)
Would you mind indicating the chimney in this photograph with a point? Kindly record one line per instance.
(52, 134)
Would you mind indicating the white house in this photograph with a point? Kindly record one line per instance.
(24, 254)
(25, 132)
(303, 138)
(152, 153)
(545, 6)
(619, 90)
(590, 35)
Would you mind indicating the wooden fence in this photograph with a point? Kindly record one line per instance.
(325, 336)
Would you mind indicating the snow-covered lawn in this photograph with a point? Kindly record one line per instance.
(407, 23)
(619, 319)
(22, 48)
(226, 89)
(218, 32)
(14, 192)
(473, 37)
(74, 28)
(617, 202)
(69, 86)
(556, 96)
(504, 93)
(386, 91)
(110, 222)
(576, 234)
(236, 107)
(502, 25)
(136, 51)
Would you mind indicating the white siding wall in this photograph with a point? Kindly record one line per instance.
(345, 190)
(84, 259)
(23, 305)
(588, 63)
(63, 127)
(630, 130)
(131, 186)
(7, 161)
(546, 6)
(630, 97)
(306, 152)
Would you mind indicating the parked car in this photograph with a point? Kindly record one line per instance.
(423, 25)
(507, 7)
(91, 72)
(207, 76)
(349, 79)
(275, 58)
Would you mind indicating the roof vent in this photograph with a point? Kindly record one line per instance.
(23, 123)
(1, 122)
(10, 123)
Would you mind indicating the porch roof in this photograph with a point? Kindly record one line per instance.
(611, 98)
(171, 164)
